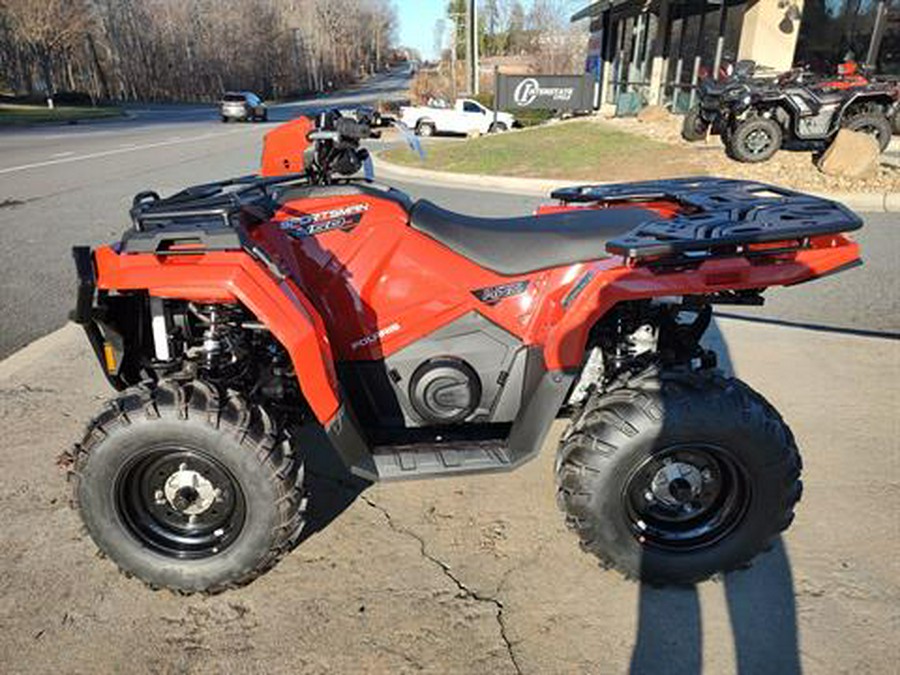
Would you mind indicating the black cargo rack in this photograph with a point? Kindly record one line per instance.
(211, 216)
(721, 215)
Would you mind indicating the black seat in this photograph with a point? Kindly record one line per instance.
(518, 245)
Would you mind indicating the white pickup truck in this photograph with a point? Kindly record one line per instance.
(463, 118)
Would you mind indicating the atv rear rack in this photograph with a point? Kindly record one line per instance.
(718, 216)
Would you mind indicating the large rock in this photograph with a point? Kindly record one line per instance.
(851, 154)
(653, 113)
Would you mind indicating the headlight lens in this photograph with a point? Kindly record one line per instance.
(737, 93)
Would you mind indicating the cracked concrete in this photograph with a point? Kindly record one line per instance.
(448, 572)
(476, 574)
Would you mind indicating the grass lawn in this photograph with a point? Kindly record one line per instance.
(580, 150)
(14, 114)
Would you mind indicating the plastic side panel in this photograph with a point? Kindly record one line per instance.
(231, 277)
(564, 331)
(283, 147)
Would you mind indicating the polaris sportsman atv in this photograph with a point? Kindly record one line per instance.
(429, 343)
(756, 117)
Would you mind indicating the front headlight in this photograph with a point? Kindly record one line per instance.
(737, 93)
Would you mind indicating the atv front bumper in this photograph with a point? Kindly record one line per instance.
(89, 312)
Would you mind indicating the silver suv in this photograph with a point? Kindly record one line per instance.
(243, 105)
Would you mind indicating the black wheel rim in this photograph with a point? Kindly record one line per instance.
(686, 497)
(180, 502)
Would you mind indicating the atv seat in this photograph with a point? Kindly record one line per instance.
(512, 246)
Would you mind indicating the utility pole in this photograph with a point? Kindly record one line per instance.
(453, 32)
(472, 47)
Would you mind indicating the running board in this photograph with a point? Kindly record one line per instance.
(419, 460)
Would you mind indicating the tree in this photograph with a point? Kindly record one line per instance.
(47, 28)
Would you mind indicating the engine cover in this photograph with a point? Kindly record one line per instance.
(444, 390)
(470, 370)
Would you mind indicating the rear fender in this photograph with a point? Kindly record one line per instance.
(604, 284)
(234, 276)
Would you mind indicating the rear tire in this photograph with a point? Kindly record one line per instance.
(694, 127)
(754, 140)
(673, 478)
(874, 124)
(187, 491)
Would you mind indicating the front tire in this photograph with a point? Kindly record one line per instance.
(497, 128)
(754, 140)
(188, 491)
(673, 478)
(694, 127)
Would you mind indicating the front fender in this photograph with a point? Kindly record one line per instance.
(234, 276)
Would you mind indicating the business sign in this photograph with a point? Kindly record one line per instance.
(545, 92)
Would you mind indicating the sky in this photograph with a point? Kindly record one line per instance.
(417, 19)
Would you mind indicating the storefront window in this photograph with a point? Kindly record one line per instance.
(888, 61)
(831, 29)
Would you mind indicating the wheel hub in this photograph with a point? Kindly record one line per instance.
(180, 502)
(758, 141)
(677, 483)
(685, 497)
(189, 492)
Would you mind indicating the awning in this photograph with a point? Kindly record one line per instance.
(596, 8)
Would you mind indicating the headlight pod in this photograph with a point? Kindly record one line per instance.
(737, 93)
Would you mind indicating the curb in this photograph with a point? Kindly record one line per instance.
(42, 348)
(888, 202)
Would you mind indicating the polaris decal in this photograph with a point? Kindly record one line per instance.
(374, 337)
(494, 294)
(311, 224)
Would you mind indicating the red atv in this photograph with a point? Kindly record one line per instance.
(428, 343)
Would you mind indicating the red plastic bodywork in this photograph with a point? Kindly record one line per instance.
(228, 277)
(368, 283)
(369, 290)
(283, 147)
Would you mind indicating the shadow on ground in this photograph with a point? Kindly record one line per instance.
(760, 600)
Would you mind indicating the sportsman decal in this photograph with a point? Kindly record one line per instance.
(310, 224)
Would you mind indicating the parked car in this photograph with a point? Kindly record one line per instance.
(243, 106)
(465, 116)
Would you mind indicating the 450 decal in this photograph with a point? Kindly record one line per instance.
(310, 224)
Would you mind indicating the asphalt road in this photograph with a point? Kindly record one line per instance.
(68, 185)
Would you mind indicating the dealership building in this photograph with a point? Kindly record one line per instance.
(655, 51)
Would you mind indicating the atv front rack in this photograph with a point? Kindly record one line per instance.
(716, 215)
(211, 216)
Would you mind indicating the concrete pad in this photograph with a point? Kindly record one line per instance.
(477, 574)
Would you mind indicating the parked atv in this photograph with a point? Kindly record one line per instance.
(756, 117)
(428, 343)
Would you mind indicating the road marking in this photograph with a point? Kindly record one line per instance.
(119, 151)
(63, 154)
